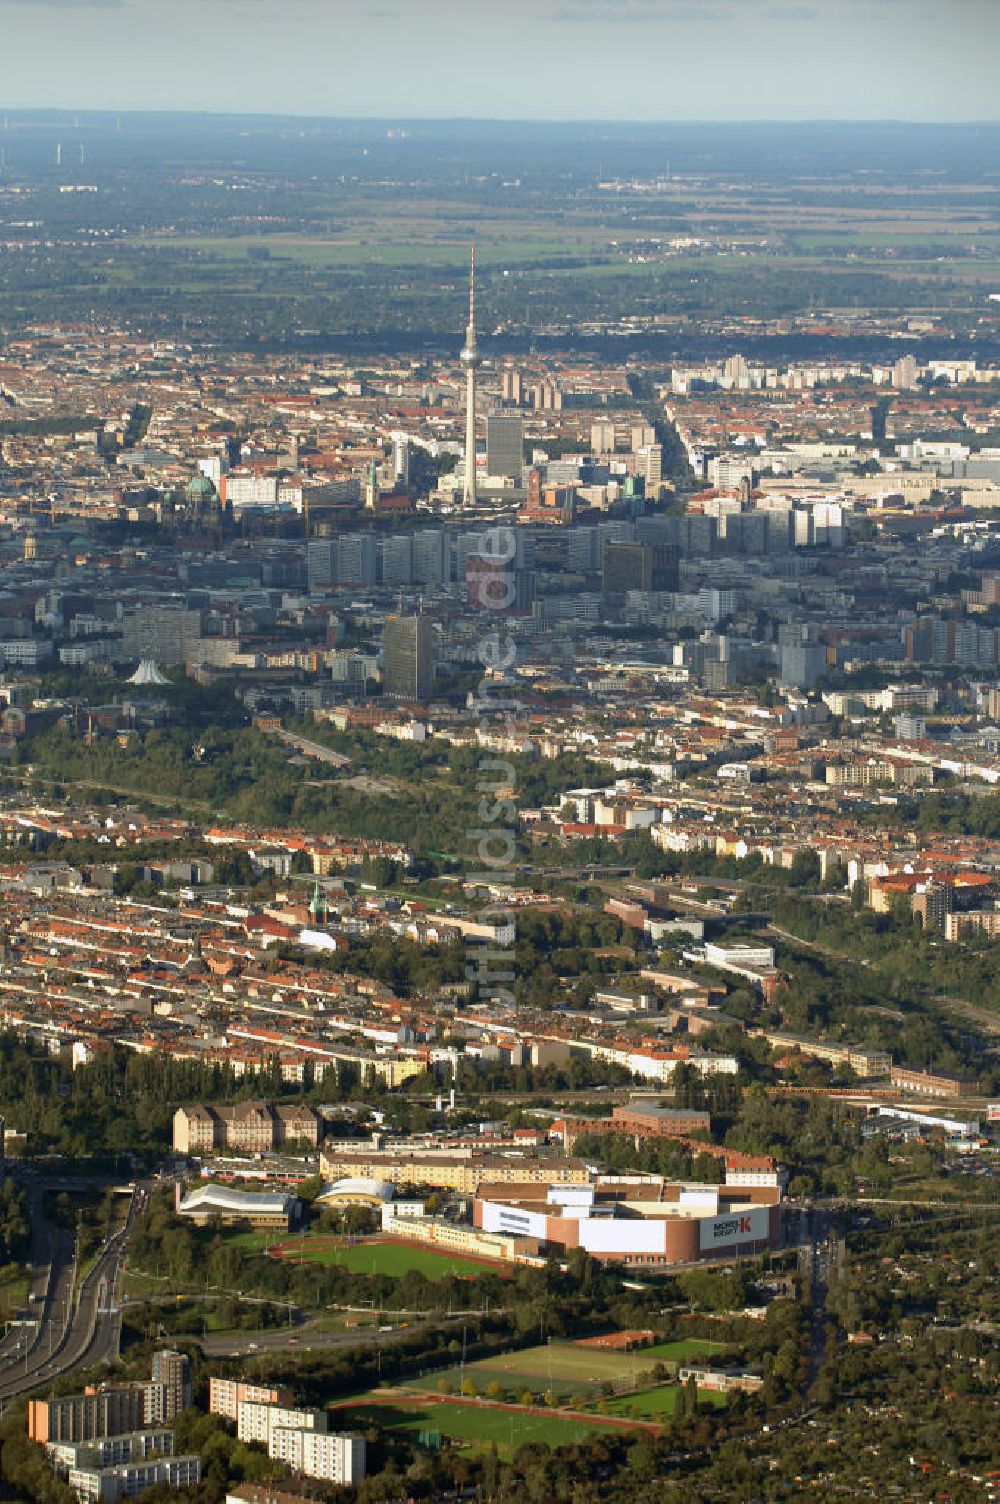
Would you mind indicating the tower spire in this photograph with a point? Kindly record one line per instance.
(470, 359)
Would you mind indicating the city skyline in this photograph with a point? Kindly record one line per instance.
(641, 60)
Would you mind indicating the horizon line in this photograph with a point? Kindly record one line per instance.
(145, 112)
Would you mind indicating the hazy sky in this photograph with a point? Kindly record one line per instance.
(538, 59)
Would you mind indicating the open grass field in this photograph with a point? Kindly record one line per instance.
(566, 1368)
(479, 1425)
(657, 1404)
(251, 1242)
(392, 1259)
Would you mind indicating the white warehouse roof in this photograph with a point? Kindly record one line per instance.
(227, 1199)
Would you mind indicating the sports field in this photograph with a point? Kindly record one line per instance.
(473, 1423)
(567, 1368)
(371, 1256)
(657, 1404)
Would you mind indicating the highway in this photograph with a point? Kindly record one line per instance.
(308, 1338)
(821, 1255)
(76, 1327)
(50, 1247)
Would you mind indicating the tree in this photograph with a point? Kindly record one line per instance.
(805, 870)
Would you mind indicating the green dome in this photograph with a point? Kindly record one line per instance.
(199, 488)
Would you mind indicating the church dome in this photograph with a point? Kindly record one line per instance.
(199, 488)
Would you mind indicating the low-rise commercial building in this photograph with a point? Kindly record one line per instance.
(638, 1219)
(268, 1213)
(933, 1083)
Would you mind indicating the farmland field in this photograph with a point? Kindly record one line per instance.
(342, 238)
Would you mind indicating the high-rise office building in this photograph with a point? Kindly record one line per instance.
(321, 564)
(504, 444)
(649, 463)
(581, 550)
(397, 559)
(638, 566)
(408, 671)
(356, 559)
(167, 634)
(429, 557)
(471, 360)
(401, 459)
(461, 548)
(802, 664)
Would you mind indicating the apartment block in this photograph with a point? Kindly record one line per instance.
(256, 1422)
(113, 1409)
(336, 1458)
(454, 1170)
(225, 1396)
(172, 1370)
(127, 1480)
(110, 1451)
(110, 1411)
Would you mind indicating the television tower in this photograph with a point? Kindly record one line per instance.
(470, 358)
